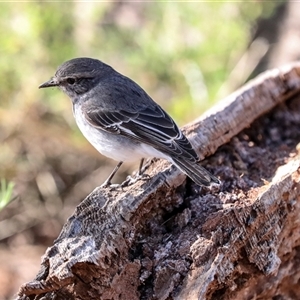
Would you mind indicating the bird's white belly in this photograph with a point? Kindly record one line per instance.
(115, 146)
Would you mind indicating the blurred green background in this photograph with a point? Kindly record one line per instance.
(186, 56)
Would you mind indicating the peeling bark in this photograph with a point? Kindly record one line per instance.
(166, 238)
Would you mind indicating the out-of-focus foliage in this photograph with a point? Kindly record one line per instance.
(180, 53)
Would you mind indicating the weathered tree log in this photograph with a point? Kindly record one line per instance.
(166, 238)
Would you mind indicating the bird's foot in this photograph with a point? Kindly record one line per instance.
(131, 180)
(108, 184)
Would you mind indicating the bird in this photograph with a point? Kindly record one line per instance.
(122, 121)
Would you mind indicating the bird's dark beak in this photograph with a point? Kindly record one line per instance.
(52, 82)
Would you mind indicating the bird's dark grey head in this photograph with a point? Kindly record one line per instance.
(78, 76)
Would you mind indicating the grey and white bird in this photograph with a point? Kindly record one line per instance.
(121, 120)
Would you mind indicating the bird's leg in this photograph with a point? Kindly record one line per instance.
(142, 168)
(139, 175)
(140, 172)
(107, 182)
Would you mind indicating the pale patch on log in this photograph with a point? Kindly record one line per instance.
(166, 238)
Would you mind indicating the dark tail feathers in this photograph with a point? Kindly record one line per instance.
(197, 173)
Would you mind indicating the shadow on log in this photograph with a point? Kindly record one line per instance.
(166, 238)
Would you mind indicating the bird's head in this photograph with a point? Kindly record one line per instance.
(78, 76)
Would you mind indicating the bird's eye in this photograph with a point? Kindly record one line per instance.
(70, 80)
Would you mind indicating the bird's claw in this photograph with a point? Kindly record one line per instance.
(131, 180)
(112, 186)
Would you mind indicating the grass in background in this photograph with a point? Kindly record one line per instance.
(6, 191)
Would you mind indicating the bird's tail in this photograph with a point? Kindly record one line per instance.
(193, 170)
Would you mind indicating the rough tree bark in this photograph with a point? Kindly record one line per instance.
(166, 238)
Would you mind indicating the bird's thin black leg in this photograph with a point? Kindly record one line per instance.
(140, 172)
(107, 182)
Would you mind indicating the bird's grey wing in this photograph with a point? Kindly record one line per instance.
(152, 126)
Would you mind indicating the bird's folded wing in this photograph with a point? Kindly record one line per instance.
(151, 126)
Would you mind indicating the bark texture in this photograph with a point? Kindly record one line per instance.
(166, 238)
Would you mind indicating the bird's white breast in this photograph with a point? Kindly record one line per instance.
(115, 146)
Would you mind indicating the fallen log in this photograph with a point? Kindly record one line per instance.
(166, 238)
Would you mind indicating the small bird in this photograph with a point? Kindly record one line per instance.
(122, 121)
